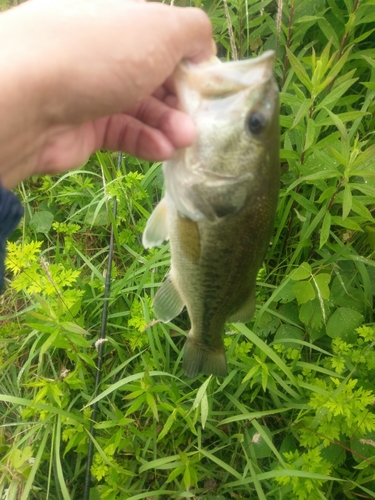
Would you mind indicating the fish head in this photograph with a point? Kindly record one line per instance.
(235, 108)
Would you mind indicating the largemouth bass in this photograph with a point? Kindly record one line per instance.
(220, 201)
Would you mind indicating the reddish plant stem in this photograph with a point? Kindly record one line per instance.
(288, 42)
(345, 37)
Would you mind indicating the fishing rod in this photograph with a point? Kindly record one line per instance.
(100, 344)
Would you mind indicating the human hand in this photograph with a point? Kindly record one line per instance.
(93, 74)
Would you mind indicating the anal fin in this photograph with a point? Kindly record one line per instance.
(167, 302)
(156, 230)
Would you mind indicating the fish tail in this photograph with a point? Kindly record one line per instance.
(201, 359)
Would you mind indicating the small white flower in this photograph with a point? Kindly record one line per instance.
(256, 438)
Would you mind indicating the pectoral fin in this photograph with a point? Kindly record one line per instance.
(156, 230)
(167, 302)
(245, 312)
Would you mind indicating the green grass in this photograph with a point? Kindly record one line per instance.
(294, 418)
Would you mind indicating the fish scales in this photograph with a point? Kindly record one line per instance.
(221, 197)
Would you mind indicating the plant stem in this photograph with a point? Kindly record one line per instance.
(288, 42)
(230, 31)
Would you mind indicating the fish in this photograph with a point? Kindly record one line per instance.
(220, 201)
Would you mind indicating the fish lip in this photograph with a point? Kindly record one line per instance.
(213, 79)
(269, 57)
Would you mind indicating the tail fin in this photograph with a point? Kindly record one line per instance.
(200, 358)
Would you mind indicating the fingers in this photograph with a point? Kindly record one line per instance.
(151, 134)
(152, 131)
(177, 127)
(127, 134)
(195, 40)
(70, 147)
(103, 56)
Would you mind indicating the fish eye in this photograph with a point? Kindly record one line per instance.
(256, 122)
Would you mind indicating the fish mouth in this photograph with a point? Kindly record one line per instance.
(216, 80)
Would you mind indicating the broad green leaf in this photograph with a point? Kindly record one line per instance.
(44, 328)
(363, 36)
(222, 464)
(362, 159)
(338, 156)
(310, 134)
(304, 202)
(286, 331)
(324, 174)
(340, 64)
(152, 405)
(364, 447)
(311, 314)
(327, 194)
(175, 473)
(369, 85)
(336, 120)
(288, 154)
(306, 19)
(77, 340)
(299, 70)
(69, 326)
(87, 359)
(49, 342)
(325, 229)
(329, 32)
(364, 188)
(347, 223)
(371, 236)
(347, 201)
(302, 218)
(290, 99)
(349, 116)
(163, 463)
(304, 291)
(335, 94)
(302, 272)
(167, 426)
(28, 486)
(321, 281)
(342, 324)
(127, 380)
(110, 424)
(58, 464)
(201, 392)
(41, 221)
(369, 60)
(137, 403)
(204, 410)
(257, 442)
(361, 210)
(19, 457)
(268, 351)
(302, 112)
(321, 67)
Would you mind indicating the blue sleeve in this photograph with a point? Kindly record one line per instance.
(11, 212)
